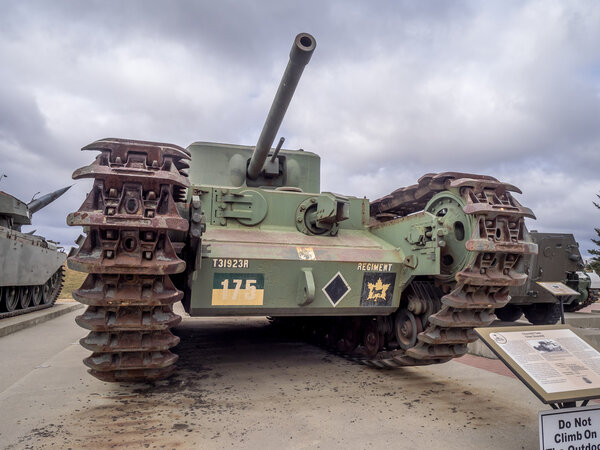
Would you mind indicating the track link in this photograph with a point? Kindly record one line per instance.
(497, 243)
(41, 297)
(451, 308)
(128, 254)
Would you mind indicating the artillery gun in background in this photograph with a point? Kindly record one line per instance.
(31, 267)
(246, 231)
(558, 259)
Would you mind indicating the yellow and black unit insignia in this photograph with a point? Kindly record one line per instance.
(238, 289)
(377, 289)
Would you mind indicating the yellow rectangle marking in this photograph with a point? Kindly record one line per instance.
(241, 297)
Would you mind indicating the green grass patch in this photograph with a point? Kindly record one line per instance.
(73, 280)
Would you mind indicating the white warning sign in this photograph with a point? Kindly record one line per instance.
(570, 429)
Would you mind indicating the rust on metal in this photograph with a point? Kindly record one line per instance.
(127, 290)
(482, 286)
(440, 315)
(128, 254)
(131, 341)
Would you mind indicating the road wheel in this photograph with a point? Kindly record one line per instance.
(542, 313)
(25, 297)
(10, 298)
(509, 313)
(406, 329)
(371, 339)
(36, 295)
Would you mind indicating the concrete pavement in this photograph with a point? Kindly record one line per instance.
(240, 385)
(13, 324)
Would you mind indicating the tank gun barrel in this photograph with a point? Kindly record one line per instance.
(39, 203)
(302, 50)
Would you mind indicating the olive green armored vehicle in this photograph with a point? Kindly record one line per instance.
(233, 230)
(559, 260)
(31, 267)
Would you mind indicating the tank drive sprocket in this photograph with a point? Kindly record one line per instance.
(129, 256)
(436, 319)
(495, 247)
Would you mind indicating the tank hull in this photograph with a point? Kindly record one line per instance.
(27, 260)
(398, 281)
(558, 260)
(236, 253)
(31, 268)
(236, 230)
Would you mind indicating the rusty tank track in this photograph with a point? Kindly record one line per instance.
(129, 256)
(497, 244)
(450, 308)
(44, 295)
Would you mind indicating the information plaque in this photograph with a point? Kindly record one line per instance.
(551, 360)
(558, 289)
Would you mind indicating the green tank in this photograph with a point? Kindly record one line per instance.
(558, 259)
(233, 230)
(31, 267)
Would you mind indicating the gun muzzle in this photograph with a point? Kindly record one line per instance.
(302, 50)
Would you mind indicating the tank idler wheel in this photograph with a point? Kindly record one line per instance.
(45, 293)
(509, 313)
(406, 328)
(10, 298)
(55, 282)
(51, 288)
(36, 295)
(25, 297)
(371, 339)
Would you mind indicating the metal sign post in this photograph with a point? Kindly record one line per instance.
(561, 369)
(560, 291)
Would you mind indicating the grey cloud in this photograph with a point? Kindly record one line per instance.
(395, 89)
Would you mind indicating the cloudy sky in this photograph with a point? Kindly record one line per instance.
(395, 89)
